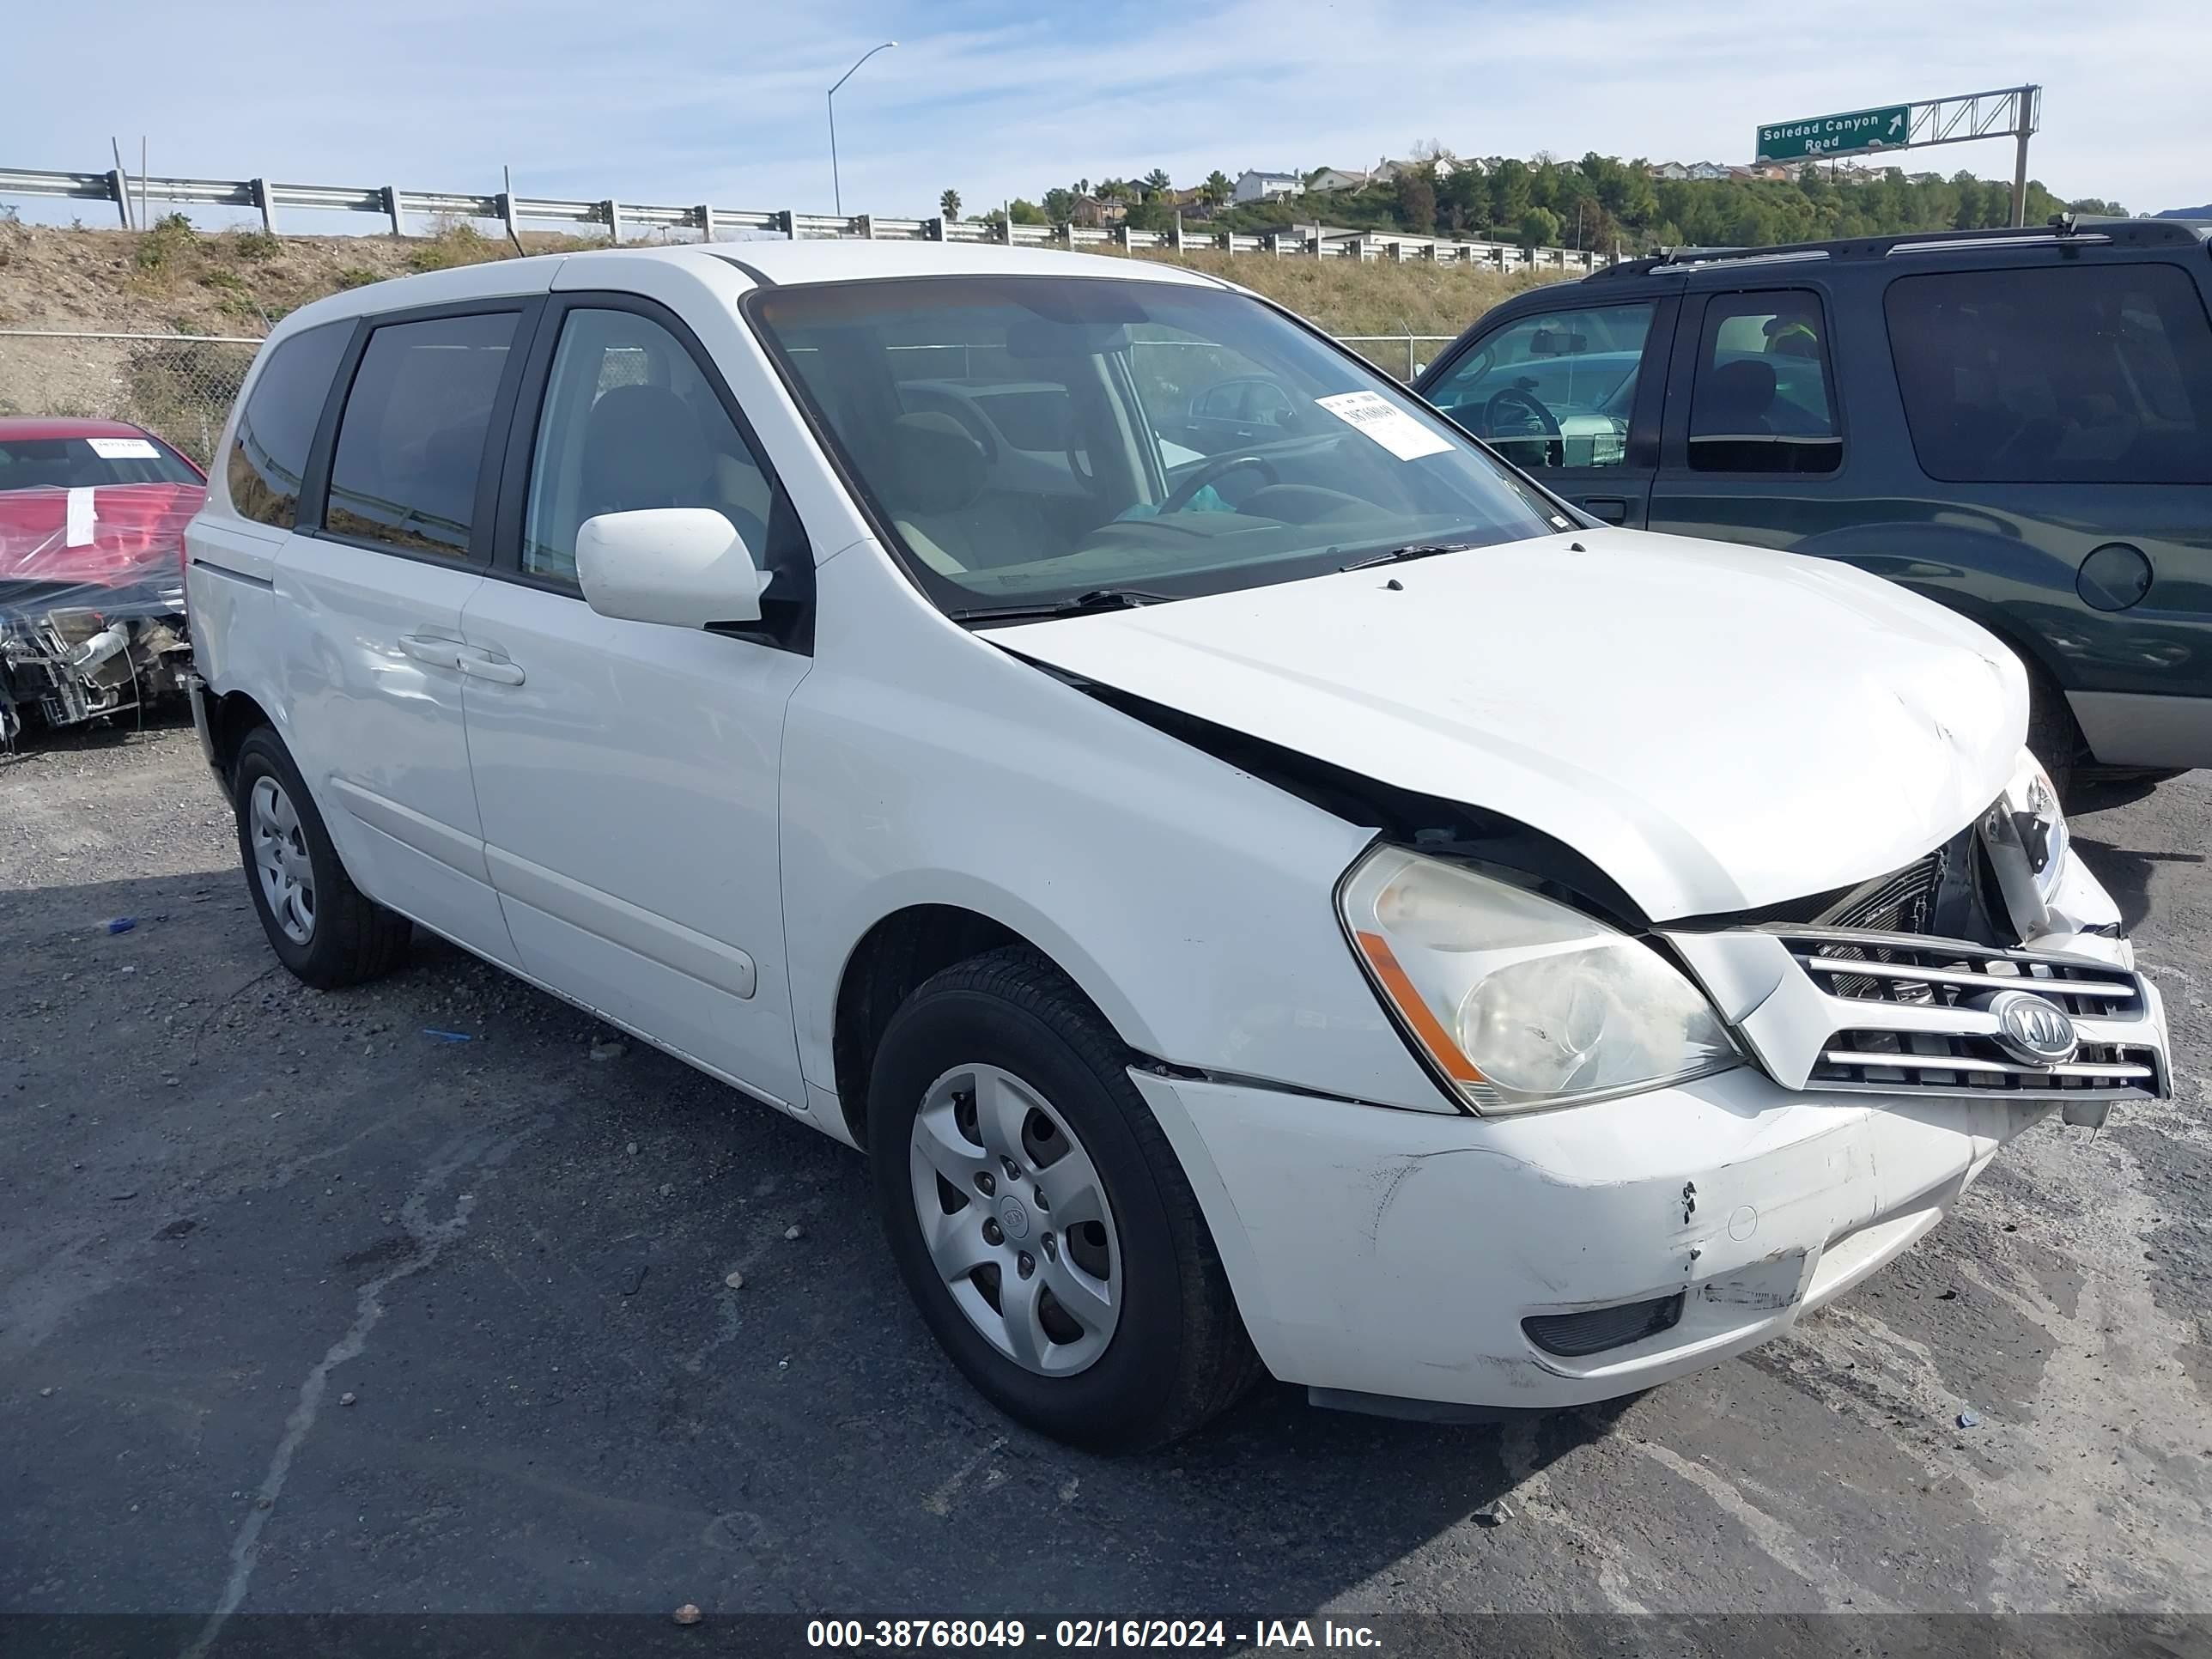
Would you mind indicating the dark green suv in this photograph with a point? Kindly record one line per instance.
(2017, 424)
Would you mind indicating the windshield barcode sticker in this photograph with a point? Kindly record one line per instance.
(124, 449)
(1372, 413)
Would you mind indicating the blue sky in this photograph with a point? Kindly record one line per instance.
(680, 100)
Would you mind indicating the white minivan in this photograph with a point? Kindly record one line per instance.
(1271, 887)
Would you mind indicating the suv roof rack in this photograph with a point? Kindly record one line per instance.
(2061, 231)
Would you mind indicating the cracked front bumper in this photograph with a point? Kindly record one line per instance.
(1396, 1254)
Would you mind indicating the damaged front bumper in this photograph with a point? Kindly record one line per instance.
(73, 654)
(1404, 1256)
(1417, 1262)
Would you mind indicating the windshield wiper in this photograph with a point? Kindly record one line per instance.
(1098, 599)
(1416, 550)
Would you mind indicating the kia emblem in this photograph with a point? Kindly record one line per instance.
(2034, 1029)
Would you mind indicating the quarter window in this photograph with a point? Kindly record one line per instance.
(2082, 375)
(276, 427)
(629, 421)
(1761, 402)
(411, 439)
(1556, 389)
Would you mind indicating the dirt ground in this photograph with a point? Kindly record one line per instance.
(305, 1308)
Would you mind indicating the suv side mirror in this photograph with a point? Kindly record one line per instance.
(686, 567)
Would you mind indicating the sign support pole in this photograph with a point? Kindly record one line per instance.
(2020, 170)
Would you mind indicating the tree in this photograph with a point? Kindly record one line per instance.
(1417, 202)
(1463, 199)
(1539, 228)
(949, 204)
(1059, 206)
(1155, 212)
(1026, 213)
(1156, 182)
(1509, 192)
(1217, 188)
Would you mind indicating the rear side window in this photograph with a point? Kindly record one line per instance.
(2083, 375)
(411, 439)
(1761, 402)
(277, 425)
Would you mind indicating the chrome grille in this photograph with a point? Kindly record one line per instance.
(1937, 973)
(1912, 1014)
(1955, 1063)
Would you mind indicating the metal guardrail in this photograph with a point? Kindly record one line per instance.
(395, 206)
(182, 386)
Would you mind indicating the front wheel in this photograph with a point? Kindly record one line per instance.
(1039, 1217)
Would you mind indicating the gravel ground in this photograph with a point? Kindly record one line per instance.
(302, 1308)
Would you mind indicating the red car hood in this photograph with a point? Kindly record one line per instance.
(114, 536)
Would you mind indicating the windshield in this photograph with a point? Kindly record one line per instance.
(1032, 441)
(89, 463)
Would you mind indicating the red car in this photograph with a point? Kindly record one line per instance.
(92, 536)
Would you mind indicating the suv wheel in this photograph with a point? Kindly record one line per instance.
(2052, 736)
(321, 927)
(1038, 1215)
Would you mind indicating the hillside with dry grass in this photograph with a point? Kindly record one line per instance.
(235, 284)
(173, 279)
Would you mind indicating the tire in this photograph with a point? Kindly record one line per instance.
(2052, 736)
(338, 936)
(1170, 1352)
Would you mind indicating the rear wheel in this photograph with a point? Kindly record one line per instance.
(1041, 1220)
(321, 927)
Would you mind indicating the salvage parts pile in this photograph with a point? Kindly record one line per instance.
(92, 603)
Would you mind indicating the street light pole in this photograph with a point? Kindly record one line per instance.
(836, 187)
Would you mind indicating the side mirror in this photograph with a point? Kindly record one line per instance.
(685, 566)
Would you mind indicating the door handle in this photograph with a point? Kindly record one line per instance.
(1614, 509)
(426, 648)
(483, 665)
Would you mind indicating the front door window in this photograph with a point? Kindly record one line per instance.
(1554, 389)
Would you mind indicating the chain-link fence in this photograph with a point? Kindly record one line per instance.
(179, 387)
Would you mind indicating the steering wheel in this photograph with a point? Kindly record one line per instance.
(1536, 419)
(1220, 467)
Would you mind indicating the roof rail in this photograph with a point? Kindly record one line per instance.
(2062, 230)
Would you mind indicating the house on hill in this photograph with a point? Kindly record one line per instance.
(1254, 186)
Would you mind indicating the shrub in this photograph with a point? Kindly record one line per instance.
(256, 246)
(172, 234)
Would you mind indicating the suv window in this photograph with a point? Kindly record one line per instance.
(630, 422)
(2084, 374)
(276, 427)
(1761, 402)
(1555, 389)
(411, 439)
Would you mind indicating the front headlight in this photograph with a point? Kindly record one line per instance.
(1520, 1003)
(2031, 803)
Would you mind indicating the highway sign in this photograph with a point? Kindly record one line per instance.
(1854, 134)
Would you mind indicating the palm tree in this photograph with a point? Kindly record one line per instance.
(949, 204)
(1156, 182)
(1217, 187)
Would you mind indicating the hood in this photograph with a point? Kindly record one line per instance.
(1717, 727)
(100, 538)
